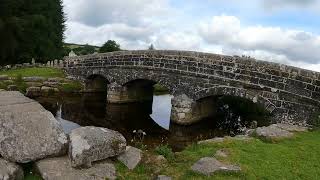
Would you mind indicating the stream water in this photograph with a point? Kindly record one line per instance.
(152, 117)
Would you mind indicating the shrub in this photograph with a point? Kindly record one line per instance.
(165, 151)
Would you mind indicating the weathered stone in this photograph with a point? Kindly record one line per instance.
(56, 79)
(291, 128)
(213, 140)
(163, 177)
(222, 153)
(60, 169)
(47, 91)
(4, 77)
(272, 133)
(33, 92)
(208, 166)
(12, 88)
(34, 84)
(131, 157)
(89, 144)
(51, 83)
(27, 131)
(33, 79)
(10, 171)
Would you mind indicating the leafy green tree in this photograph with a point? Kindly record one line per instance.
(109, 46)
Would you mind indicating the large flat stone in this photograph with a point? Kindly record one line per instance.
(272, 132)
(131, 157)
(28, 132)
(208, 166)
(10, 171)
(89, 144)
(60, 169)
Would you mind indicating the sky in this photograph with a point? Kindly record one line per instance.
(282, 31)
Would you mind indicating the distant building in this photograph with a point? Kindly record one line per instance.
(72, 54)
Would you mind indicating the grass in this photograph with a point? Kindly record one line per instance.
(18, 74)
(296, 158)
(42, 72)
(159, 90)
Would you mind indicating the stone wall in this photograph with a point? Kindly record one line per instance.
(291, 94)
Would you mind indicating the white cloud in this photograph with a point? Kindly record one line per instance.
(100, 12)
(293, 45)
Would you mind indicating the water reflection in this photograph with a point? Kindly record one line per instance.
(152, 117)
(161, 110)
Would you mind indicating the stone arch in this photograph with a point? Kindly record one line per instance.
(96, 83)
(251, 95)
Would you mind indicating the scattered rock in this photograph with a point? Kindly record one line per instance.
(291, 128)
(163, 177)
(213, 140)
(10, 171)
(272, 133)
(28, 132)
(209, 165)
(12, 88)
(60, 168)
(4, 77)
(131, 157)
(48, 91)
(56, 79)
(222, 153)
(33, 79)
(34, 84)
(241, 138)
(89, 144)
(33, 92)
(51, 84)
(2, 90)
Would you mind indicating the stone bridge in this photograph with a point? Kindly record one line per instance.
(290, 94)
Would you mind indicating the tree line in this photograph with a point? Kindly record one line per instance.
(31, 29)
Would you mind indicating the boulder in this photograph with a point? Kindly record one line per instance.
(34, 79)
(48, 91)
(28, 132)
(222, 153)
(10, 171)
(208, 166)
(291, 128)
(272, 132)
(56, 79)
(131, 157)
(213, 140)
(163, 177)
(2, 90)
(89, 144)
(33, 92)
(4, 77)
(60, 168)
(34, 84)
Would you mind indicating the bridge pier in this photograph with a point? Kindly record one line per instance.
(119, 94)
(186, 111)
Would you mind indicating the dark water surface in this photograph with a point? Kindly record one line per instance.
(151, 117)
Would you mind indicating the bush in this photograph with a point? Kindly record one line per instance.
(165, 151)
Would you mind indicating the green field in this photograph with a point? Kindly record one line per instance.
(42, 72)
(296, 158)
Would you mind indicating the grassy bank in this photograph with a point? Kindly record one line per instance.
(41, 72)
(296, 158)
(16, 76)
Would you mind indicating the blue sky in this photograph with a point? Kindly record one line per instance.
(284, 31)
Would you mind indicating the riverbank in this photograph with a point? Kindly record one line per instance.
(23, 78)
(294, 158)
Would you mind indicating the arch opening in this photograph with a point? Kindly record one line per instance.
(234, 114)
(96, 83)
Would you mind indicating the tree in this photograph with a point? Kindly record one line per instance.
(151, 47)
(31, 29)
(109, 46)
